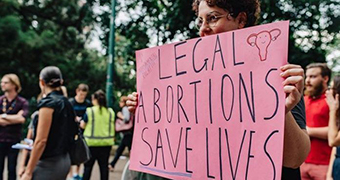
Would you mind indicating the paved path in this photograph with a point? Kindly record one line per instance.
(116, 174)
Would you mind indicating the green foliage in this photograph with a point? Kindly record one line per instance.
(313, 24)
(35, 34)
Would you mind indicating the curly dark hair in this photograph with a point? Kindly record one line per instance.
(234, 7)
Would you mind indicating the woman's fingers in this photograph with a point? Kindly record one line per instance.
(132, 102)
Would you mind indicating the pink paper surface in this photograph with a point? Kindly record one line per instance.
(212, 107)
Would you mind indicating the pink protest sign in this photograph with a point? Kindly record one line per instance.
(212, 107)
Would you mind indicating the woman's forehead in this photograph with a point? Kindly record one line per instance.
(205, 9)
(5, 79)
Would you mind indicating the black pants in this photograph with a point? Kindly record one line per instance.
(101, 154)
(126, 142)
(12, 155)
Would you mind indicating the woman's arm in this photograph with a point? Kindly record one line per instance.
(120, 115)
(296, 140)
(24, 155)
(43, 129)
(330, 167)
(318, 132)
(296, 143)
(333, 133)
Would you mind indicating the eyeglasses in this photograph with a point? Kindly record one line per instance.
(211, 20)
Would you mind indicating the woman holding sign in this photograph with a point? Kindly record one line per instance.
(333, 128)
(218, 16)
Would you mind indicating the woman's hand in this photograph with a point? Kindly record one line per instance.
(120, 115)
(21, 171)
(292, 85)
(329, 178)
(26, 176)
(333, 103)
(131, 103)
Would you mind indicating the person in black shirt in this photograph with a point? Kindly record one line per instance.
(80, 103)
(54, 131)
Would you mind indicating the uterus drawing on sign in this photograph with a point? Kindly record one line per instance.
(262, 40)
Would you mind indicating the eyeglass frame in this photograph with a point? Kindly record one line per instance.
(209, 21)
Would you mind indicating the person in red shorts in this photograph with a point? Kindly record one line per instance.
(317, 115)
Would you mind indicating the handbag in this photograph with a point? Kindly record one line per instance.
(121, 126)
(80, 152)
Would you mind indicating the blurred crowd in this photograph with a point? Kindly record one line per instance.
(312, 117)
(54, 126)
(58, 119)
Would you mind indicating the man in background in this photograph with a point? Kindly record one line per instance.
(80, 103)
(317, 115)
(13, 113)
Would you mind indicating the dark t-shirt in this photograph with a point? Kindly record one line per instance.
(12, 133)
(80, 108)
(63, 127)
(299, 114)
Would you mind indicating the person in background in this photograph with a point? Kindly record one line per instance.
(13, 113)
(30, 134)
(218, 16)
(25, 153)
(99, 132)
(127, 135)
(317, 116)
(54, 131)
(332, 96)
(79, 103)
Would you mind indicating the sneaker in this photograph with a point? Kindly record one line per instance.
(77, 177)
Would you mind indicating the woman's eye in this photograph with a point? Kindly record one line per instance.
(213, 18)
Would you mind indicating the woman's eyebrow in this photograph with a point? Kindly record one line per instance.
(212, 12)
(209, 14)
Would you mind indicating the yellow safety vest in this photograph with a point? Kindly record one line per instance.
(99, 130)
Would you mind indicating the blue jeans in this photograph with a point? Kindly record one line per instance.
(12, 155)
(336, 169)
